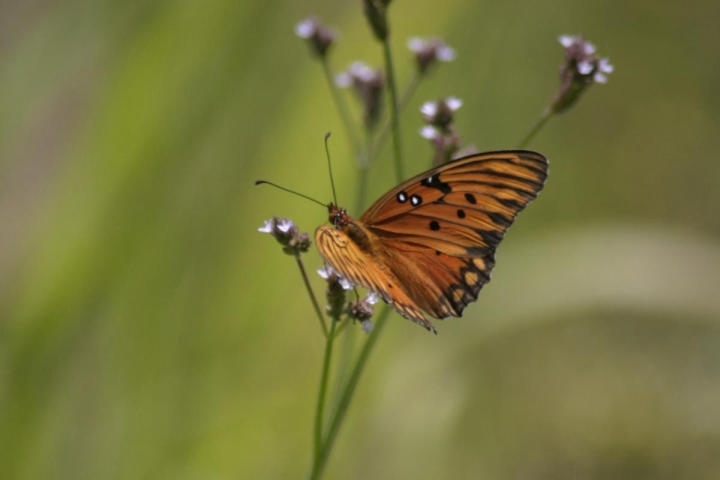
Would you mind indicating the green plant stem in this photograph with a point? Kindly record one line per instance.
(394, 117)
(363, 171)
(341, 106)
(347, 395)
(372, 148)
(385, 130)
(318, 433)
(312, 295)
(536, 128)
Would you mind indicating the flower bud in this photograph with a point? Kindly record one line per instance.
(376, 13)
(287, 234)
(335, 293)
(580, 70)
(318, 36)
(362, 310)
(429, 51)
(368, 84)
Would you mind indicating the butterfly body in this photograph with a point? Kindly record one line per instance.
(428, 245)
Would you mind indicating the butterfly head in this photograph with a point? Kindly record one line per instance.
(338, 216)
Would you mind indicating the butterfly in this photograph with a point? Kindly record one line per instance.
(427, 246)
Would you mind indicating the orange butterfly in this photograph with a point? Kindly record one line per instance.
(429, 243)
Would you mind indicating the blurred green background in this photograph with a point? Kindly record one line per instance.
(147, 330)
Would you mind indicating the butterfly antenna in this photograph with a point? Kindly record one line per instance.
(332, 181)
(260, 182)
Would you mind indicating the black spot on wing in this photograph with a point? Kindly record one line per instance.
(433, 181)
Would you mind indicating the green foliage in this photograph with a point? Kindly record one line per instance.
(147, 330)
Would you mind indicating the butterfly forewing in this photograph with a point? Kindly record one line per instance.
(439, 229)
(514, 177)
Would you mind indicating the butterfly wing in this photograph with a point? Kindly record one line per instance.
(440, 229)
(361, 268)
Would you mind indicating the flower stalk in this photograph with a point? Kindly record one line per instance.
(341, 106)
(394, 111)
(338, 415)
(322, 392)
(581, 69)
(314, 301)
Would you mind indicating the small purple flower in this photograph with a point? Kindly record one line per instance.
(440, 129)
(267, 227)
(440, 113)
(319, 37)
(580, 70)
(328, 273)
(335, 293)
(287, 234)
(429, 132)
(428, 51)
(368, 84)
(362, 310)
(603, 68)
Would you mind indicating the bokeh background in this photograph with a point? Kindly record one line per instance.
(147, 330)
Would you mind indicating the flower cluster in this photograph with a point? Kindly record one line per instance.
(428, 51)
(440, 130)
(287, 234)
(319, 37)
(335, 293)
(360, 310)
(581, 69)
(368, 83)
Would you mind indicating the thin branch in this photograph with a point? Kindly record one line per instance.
(385, 130)
(322, 391)
(347, 395)
(341, 106)
(536, 128)
(394, 117)
(314, 301)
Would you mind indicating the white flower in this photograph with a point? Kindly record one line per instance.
(429, 132)
(445, 53)
(371, 298)
(345, 283)
(416, 44)
(284, 225)
(585, 67)
(327, 271)
(605, 66)
(566, 40)
(362, 71)
(434, 48)
(453, 103)
(429, 109)
(306, 28)
(367, 326)
(267, 227)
